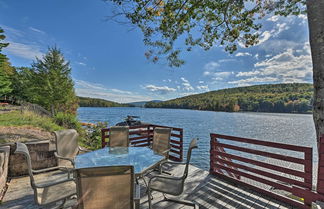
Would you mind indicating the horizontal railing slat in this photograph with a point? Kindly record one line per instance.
(259, 179)
(263, 173)
(263, 143)
(262, 164)
(262, 153)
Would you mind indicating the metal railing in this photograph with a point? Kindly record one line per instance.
(142, 136)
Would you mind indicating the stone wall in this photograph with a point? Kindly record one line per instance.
(4, 159)
(41, 153)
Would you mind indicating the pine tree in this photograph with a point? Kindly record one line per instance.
(5, 83)
(53, 86)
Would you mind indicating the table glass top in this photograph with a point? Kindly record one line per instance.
(141, 158)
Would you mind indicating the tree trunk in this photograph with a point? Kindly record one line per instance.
(315, 11)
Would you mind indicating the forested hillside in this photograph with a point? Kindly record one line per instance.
(289, 98)
(93, 102)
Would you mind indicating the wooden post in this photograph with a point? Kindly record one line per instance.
(320, 175)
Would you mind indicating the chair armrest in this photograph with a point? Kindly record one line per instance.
(45, 169)
(82, 149)
(166, 151)
(53, 183)
(64, 158)
(173, 162)
(164, 177)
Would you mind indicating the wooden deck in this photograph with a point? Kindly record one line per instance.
(206, 190)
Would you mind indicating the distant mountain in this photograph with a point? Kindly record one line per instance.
(142, 103)
(94, 102)
(289, 98)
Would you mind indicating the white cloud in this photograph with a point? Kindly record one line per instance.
(96, 90)
(249, 73)
(187, 87)
(111, 96)
(256, 56)
(273, 18)
(159, 89)
(242, 54)
(226, 60)
(81, 63)
(88, 85)
(121, 91)
(203, 88)
(184, 80)
(211, 66)
(264, 37)
(24, 50)
(36, 30)
(285, 67)
(249, 81)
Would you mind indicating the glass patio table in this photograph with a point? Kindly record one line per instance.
(142, 158)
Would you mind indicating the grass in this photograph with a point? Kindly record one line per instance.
(26, 118)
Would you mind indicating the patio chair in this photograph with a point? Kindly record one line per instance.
(161, 141)
(118, 136)
(172, 185)
(51, 191)
(107, 187)
(67, 146)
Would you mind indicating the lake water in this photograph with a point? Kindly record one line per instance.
(296, 129)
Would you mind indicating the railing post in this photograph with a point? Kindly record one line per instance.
(148, 135)
(320, 175)
(181, 145)
(103, 141)
(211, 160)
(308, 169)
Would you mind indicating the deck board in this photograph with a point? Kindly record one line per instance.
(206, 190)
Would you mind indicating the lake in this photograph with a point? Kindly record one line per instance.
(296, 129)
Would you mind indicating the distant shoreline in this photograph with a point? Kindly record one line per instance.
(305, 113)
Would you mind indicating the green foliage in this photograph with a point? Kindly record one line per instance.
(27, 118)
(261, 98)
(91, 138)
(199, 23)
(5, 83)
(93, 102)
(53, 87)
(67, 120)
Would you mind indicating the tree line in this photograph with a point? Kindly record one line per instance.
(47, 82)
(94, 102)
(283, 98)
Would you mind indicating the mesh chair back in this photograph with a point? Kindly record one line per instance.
(192, 145)
(67, 143)
(22, 149)
(161, 140)
(105, 187)
(119, 136)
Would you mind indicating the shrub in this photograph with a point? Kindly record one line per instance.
(67, 120)
(91, 138)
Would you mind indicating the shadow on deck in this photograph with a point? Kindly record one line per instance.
(206, 190)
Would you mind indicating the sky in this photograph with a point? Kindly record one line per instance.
(107, 58)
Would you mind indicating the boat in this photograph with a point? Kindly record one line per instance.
(130, 120)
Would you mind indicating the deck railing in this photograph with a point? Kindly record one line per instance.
(142, 136)
(234, 157)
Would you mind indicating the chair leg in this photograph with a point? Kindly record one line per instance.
(149, 198)
(185, 202)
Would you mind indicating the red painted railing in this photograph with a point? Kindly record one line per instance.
(238, 160)
(320, 175)
(142, 136)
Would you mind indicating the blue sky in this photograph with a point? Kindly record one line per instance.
(108, 61)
